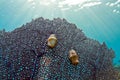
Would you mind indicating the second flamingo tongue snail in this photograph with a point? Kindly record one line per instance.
(73, 57)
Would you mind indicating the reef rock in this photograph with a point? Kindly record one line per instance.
(24, 54)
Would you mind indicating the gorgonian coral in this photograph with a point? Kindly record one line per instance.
(25, 55)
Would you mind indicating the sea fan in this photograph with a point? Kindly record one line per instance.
(24, 54)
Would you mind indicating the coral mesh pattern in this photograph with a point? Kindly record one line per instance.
(24, 54)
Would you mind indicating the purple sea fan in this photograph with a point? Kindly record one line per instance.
(24, 54)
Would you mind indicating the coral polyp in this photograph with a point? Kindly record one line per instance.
(52, 41)
(73, 57)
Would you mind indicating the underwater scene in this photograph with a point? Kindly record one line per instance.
(60, 40)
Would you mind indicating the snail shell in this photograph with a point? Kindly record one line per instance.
(52, 41)
(73, 57)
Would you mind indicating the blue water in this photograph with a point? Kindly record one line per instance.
(99, 19)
